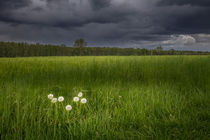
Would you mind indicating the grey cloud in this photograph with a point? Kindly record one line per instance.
(204, 3)
(66, 13)
(98, 4)
(180, 40)
(7, 4)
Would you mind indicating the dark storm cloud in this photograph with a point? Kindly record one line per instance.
(98, 4)
(123, 23)
(203, 3)
(7, 4)
(196, 23)
(191, 20)
(65, 13)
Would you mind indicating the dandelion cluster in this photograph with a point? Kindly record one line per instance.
(61, 99)
(83, 100)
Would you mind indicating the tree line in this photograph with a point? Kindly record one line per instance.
(13, 49)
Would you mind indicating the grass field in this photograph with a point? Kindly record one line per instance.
(135, 97)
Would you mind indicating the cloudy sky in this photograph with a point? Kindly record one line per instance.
(177, 24)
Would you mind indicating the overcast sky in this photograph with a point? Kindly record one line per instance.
(177, 24)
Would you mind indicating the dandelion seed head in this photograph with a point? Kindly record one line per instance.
(54, 100)
(68, 107)
(50, 96)
(84, 101)
(60, 99)
(76, 99)
(80, 94)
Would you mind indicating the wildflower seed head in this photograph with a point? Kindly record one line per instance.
(60, 99)
(76, 99)
(84, 101)
(68, 107)
(80, 94)
(50, 96)
(54, 100)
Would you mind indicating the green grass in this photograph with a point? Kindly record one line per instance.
(163, 97)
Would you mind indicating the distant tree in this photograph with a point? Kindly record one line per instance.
(159, 48)
(63, 45)
(80, 43)
(171, 51)
(144, 51)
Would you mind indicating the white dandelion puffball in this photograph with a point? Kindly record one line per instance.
(76, 99)
(84, 101)
(54, 100)
(60, 99)
(50, 96)
(68, 107)
(80, 94)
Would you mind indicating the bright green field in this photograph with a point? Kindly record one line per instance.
(162, 97)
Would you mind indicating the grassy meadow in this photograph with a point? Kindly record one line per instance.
(133, 97)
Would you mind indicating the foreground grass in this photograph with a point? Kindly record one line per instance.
(147, 97)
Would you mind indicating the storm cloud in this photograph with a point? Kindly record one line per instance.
(117, 23)
(203, 3)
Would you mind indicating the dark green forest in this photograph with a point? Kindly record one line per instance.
(14, 49)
